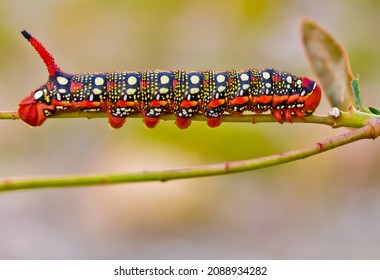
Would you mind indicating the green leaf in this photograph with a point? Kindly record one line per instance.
(374, 111)
(358, 98)
(330, 63)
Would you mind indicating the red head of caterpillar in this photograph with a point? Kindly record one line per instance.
(182, 92)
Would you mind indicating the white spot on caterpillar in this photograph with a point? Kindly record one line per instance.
(195, 79)
(289, 79)
(62, 80)
(131, 91)
(48, 113)
(61, 108)
(164, 90)
(132, 80)
(194, 90)
(245, 86)
(59, 97)
(62, 90)
(244, 77)
(266, 75)
(220, 78)
(91, 97)
(221, 88)
(97, 91)
(38, 94)
(268, 85)
(99, 81)
(164, 79)
(303, 93)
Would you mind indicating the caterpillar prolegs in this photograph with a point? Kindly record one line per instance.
(153, 93)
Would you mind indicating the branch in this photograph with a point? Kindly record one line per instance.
(369, 131)
(353, 118)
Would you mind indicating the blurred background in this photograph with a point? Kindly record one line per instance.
(324, 207)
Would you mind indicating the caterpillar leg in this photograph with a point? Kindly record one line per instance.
(213, 122)
(213, 112)
(118, 112)
(298, 112)
(277, 114)
(184, 113)
(183, 123)
(150, 122)
(151, 116)
(288, 115)
(118, 115)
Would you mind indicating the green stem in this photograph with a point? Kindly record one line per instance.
(370, 131)
(353, 118)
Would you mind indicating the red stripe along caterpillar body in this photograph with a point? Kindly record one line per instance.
(153, 93)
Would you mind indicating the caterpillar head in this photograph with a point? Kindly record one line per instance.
(36, 107)
(312, 95)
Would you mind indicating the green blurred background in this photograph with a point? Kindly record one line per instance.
(327, 206)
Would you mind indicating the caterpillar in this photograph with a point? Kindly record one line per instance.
(182, 92)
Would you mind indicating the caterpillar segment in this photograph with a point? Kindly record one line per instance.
(156, 92)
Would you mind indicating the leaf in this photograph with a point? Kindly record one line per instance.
(358, 98)
(330, 63)
(356, 89)
(374, 111)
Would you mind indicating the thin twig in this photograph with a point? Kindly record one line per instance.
(346, 119)
(370, 131)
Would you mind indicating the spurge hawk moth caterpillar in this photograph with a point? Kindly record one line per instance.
(182, 92)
